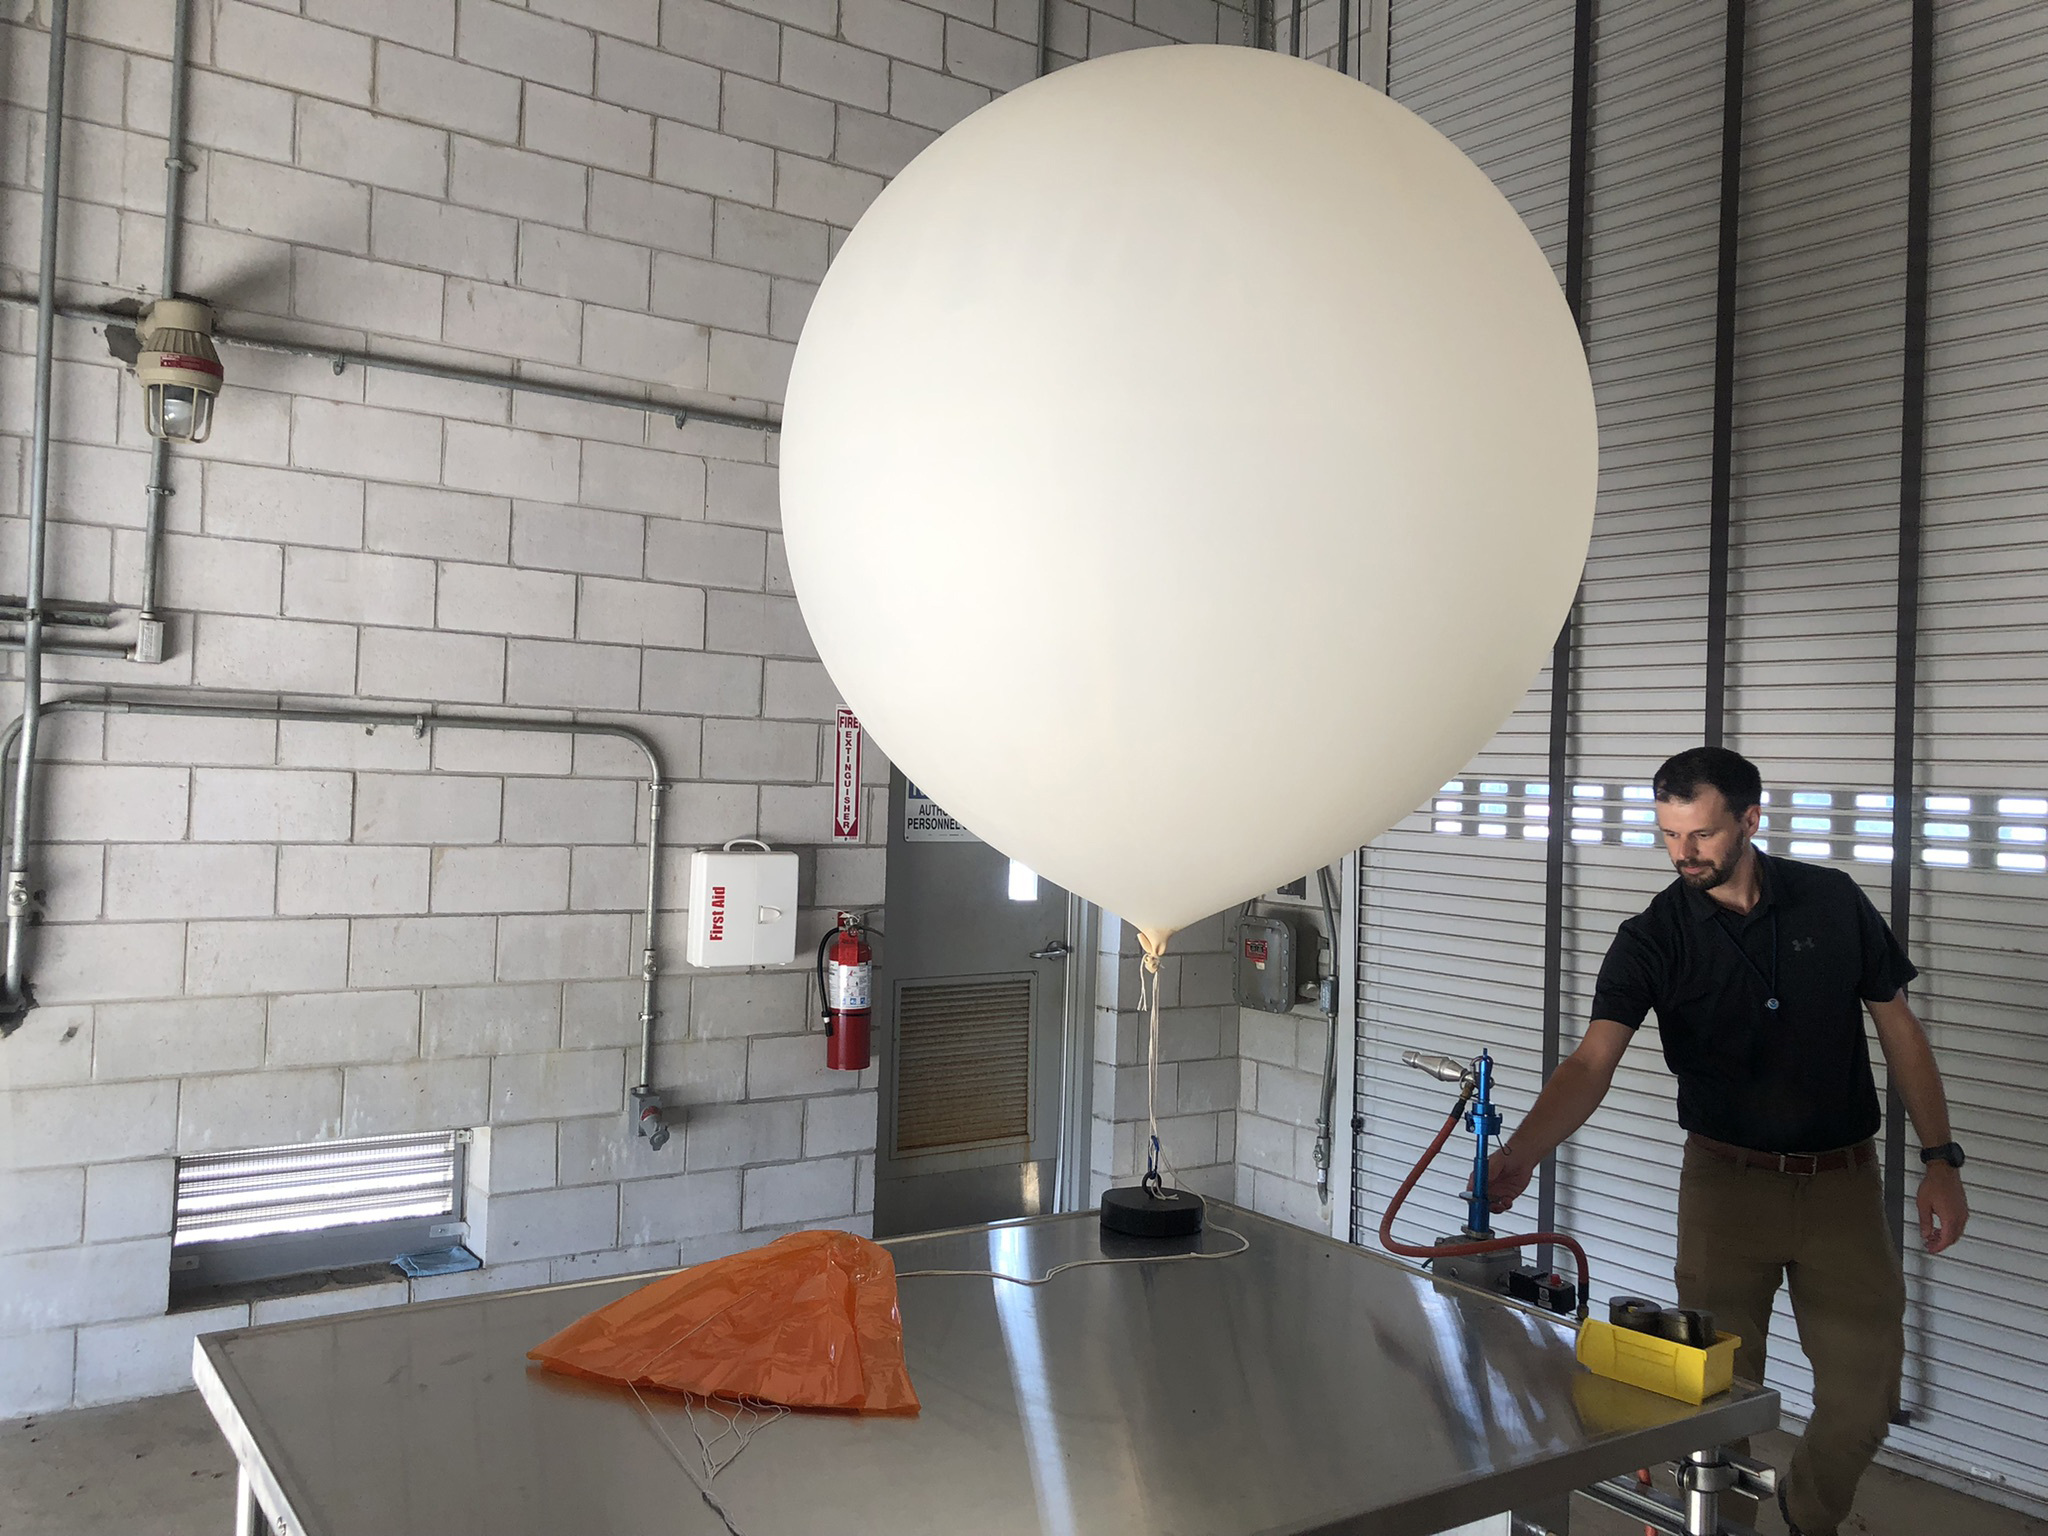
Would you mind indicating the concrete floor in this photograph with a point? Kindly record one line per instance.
(159, 1468)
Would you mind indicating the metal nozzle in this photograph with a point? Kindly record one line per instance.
(1443, 1068)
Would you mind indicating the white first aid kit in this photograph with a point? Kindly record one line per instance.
(742, 906)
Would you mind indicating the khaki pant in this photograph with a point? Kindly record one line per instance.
(1740, 1230)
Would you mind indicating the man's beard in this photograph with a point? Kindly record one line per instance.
(1711, 875)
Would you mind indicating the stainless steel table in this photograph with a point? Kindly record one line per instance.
(1301, 1386)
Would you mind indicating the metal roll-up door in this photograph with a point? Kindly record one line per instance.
(1451, 908)
(1978, 1331)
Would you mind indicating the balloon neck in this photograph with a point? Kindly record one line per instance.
(1153, 943)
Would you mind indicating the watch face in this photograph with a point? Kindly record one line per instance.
(1950, 1153)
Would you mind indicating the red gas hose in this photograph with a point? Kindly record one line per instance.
(1489, 1245)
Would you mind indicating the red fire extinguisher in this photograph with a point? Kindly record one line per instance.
(846, 991)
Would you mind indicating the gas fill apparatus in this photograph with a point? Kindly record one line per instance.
(846, 990)
(742, 906)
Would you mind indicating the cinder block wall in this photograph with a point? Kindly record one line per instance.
(259, 933)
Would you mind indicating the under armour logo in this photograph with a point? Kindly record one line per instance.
(1801, 946)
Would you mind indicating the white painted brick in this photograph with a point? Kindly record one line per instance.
(640, 613)
(668, 485)
(754, 624)
(840, 1122)
(760, 751)
(491, 1021)
(508, 462)
(75, 559)
(710, 162)
(422, 23)
(789, 305)
(263, 199)
(43, 1209)
(320, 744)
(35, 1372)
(346, 881)
(99, 485)
(596, 1013)
(267, 45)
(507, 321)
(178, 880)
(216, 575)
(720, 35)
(302, 955)
(363, 440)
(79, 962)
(425, 808)
(849, 877)
(329, 1301)
(799, 690)
(657, 82)
(790, 815)
(551, 811)
(449, 525)
(799, 1192)
(763, 241)
(554, 1222)
(556, 947)
(366, 146)
(508, 1158)
(113, 804)
(681, 1205)
(56, 1127)
(492, 1278)
(442, 91)
(1019, 18)
(568, 538)
(118, 1362)
(524, 45)
(593, 133)
(895, 28)
(501, 600)
(1185, 21)
(706, 554)
(975, 53)
(413, 1096)
(127, 1200)
(636, 346)
(421, 951)
(691, 683)
(701, 1072)
(373, 295)
(789, 1066)
(571, 675)
(931, 100)
(343, 1028)
(557, 1085)
(1110, 34)
(265, 805)
(479, 750)
(749, 367)
(1207, 1085)
(358, 589)
(405, 664)
(246, 502)
(517, 182)
(573, 266)
(731, 298)
(647, 213)
(835, 71)
(501, 879)
(734, 1135)
(178, 1038)
(273, 655)
(771, 114)
(811, 189)
(637, 19)
(258, 1109)
(727, 1005)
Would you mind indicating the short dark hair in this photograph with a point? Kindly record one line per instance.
(1682, 777)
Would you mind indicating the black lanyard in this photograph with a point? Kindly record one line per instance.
(1771, 981)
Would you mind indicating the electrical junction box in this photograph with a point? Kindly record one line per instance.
(742, 908)
(1268, 964)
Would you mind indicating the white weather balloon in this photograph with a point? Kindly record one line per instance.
(1186, 466)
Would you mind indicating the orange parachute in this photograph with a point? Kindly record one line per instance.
(809, 1321)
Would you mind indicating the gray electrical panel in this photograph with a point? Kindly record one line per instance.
(1268, 962)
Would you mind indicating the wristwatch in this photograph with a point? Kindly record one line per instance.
(1950, 1152)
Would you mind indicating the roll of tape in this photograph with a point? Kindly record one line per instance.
(1685, 1325)
(1633, 1312)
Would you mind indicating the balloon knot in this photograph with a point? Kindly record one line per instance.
(1154, 946)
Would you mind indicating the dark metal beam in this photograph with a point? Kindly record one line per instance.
(1721, 491)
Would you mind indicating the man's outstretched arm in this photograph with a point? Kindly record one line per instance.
(1574, 1091)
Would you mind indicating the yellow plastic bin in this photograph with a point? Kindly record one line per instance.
(1658, 1365)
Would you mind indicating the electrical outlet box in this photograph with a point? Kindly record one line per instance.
(1268, 962)
(742, 908)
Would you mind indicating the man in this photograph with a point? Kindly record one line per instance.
(1756, 967)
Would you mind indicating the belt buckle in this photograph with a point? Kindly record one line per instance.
(1787, 1159)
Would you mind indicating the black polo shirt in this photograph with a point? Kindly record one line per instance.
(1793, 1079)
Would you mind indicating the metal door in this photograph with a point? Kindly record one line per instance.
(970, 1005)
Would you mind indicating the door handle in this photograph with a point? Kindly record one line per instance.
(1058, 949)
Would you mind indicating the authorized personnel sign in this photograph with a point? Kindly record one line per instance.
(846, 780)
(924, 822)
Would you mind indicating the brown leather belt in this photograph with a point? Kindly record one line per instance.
(1862, 1155)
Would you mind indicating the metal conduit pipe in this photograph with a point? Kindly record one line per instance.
(17, 996)
(419, 722)
(149, 631)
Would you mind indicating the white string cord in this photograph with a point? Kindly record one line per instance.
(1243, 1245)
(702, 1485)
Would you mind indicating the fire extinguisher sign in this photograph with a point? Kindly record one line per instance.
(846, 780)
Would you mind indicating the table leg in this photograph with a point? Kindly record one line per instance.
(249, 1517)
